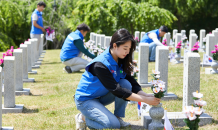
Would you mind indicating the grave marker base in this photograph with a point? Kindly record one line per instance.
(209, 71)
(33, 72)
(169, 96)
(41, 56)
(38, 63)
(40, 59)
(146, 85)
(26, 91)
(7, 128)
(176, 119)
(169, 57)
(28, 80)
(36, 67)
(204, 65)
(17, 109)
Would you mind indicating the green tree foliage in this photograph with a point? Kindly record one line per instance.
(10, 19)
(106, 17)
(103, 16)
(141, 16)
(191, 14)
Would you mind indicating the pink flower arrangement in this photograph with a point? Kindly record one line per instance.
(137, 40)
(9, 52)
(164, 42)
(1, 62)
(195, 47)
(178, 47)
(49, 31)
(215, 53)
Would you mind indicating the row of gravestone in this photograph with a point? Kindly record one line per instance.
(191, 81)
(100, 39)
(15, 72)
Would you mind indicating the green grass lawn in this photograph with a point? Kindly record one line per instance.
(51, 105)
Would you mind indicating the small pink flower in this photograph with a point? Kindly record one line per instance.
(21, 43)
(18, 48)
(216, 49)
(213, 51)
(178, 47)
(210, 33)
(12, 47)
(165, 40)
(194, 49)
(216, 46)
(1, 61)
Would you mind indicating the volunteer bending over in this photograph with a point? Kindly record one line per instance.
(153, 39)
(107, 79)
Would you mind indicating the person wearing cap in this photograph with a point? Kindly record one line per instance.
(153, 39)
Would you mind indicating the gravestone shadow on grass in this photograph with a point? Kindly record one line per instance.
(27, 110)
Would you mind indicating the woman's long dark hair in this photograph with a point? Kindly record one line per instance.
(121, 37)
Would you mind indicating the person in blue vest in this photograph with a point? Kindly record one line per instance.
(153, 39)
(108, 79)
(37, 27)
(73, 49)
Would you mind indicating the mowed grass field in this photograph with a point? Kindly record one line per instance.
(51, 105)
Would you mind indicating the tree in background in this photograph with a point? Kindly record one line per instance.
(107, 16)
(103, 16)
(191, 14)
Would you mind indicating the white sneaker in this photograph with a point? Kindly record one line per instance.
(123, 123)
(80, 124)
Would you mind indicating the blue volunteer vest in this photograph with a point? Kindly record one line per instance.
(146, 39)
(35, 30)
(90, 86)
(69, 50)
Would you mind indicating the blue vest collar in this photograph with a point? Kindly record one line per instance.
(79, 33)
(109, 57)
(158, 33)
(38, 13)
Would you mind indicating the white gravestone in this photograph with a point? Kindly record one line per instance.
(102, 37)
(25, 63)
(178, 38)
(19, 90)
(29, 64)
(192, 41)
(107, 41)
(191, 77)
(9, 87)
(202, 36)
(142, 35)
(210, 44)
(161, 64)
(143, 58)
(174, 33)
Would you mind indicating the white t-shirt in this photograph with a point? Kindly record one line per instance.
(153, 36)
(35, 17)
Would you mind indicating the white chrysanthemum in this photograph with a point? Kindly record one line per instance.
(197, 95)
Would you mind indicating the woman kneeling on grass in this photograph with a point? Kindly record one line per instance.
(107, 79)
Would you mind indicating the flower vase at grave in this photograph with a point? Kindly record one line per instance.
(156, 113)
(177, 57)
(214, 66)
